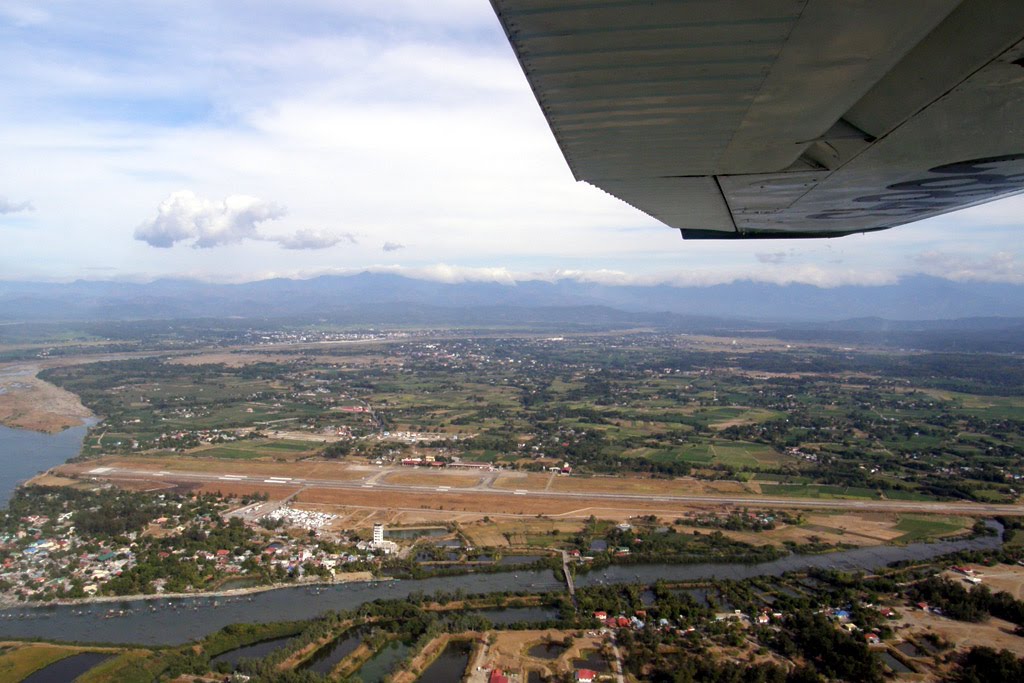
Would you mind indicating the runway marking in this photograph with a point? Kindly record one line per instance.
(444, 488)
(100, 470)
(520, 492)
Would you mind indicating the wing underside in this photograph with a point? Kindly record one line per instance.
(781, 118)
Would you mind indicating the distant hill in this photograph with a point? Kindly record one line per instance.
(383, 296)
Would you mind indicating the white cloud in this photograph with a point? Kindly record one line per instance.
(7, 206)
(771, 257)
(393, 246)
(1002, 266)
(184, 216)
(312, 239)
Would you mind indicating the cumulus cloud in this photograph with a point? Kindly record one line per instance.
(7, 206)
(393, 246)
(184, 217)
(312, 239)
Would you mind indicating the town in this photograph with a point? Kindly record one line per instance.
(627, 496)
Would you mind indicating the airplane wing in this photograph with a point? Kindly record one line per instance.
(781, 118)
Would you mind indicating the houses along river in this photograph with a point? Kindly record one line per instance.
(167, 622)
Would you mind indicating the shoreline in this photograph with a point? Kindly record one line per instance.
(350, 577)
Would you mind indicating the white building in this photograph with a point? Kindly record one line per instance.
(387, 547)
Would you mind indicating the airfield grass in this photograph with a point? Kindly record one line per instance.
(821, 491)
(729, 453)
(250, 449)
(907, 495)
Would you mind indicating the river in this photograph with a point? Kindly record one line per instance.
(24, 454)
(169, 622)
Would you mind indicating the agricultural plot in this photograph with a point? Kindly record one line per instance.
(257, 448)
(916, 528)
(854, 424)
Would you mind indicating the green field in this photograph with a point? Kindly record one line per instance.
(818, 491)
(252, 449)
(917, 528)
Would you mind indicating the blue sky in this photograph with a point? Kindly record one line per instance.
(240, 140)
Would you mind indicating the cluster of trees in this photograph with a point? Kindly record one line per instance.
(835, 654)
(985, 665)
(649, 544)
(977, 604)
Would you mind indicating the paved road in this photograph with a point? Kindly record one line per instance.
(377, 483)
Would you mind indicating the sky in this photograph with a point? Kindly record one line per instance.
(234, 141)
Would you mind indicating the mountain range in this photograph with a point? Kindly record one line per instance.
(374, 295)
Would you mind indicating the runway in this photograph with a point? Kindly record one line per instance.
(376, 482)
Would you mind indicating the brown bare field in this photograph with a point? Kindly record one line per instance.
(518, 531)
(51, 480)
(627, 485)
(509, 651)
(27, 402)
(532, 481)
(622, 484)
(485, 535)
(231, 360)
(429, 478)
(858, 528)
(804, 534)
(1002, 577)
(725, 487)
(994, 633)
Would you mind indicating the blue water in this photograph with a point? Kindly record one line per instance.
(24, 454)
(255, 651)
(384, 662)
(67, 669)
(449, 665)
